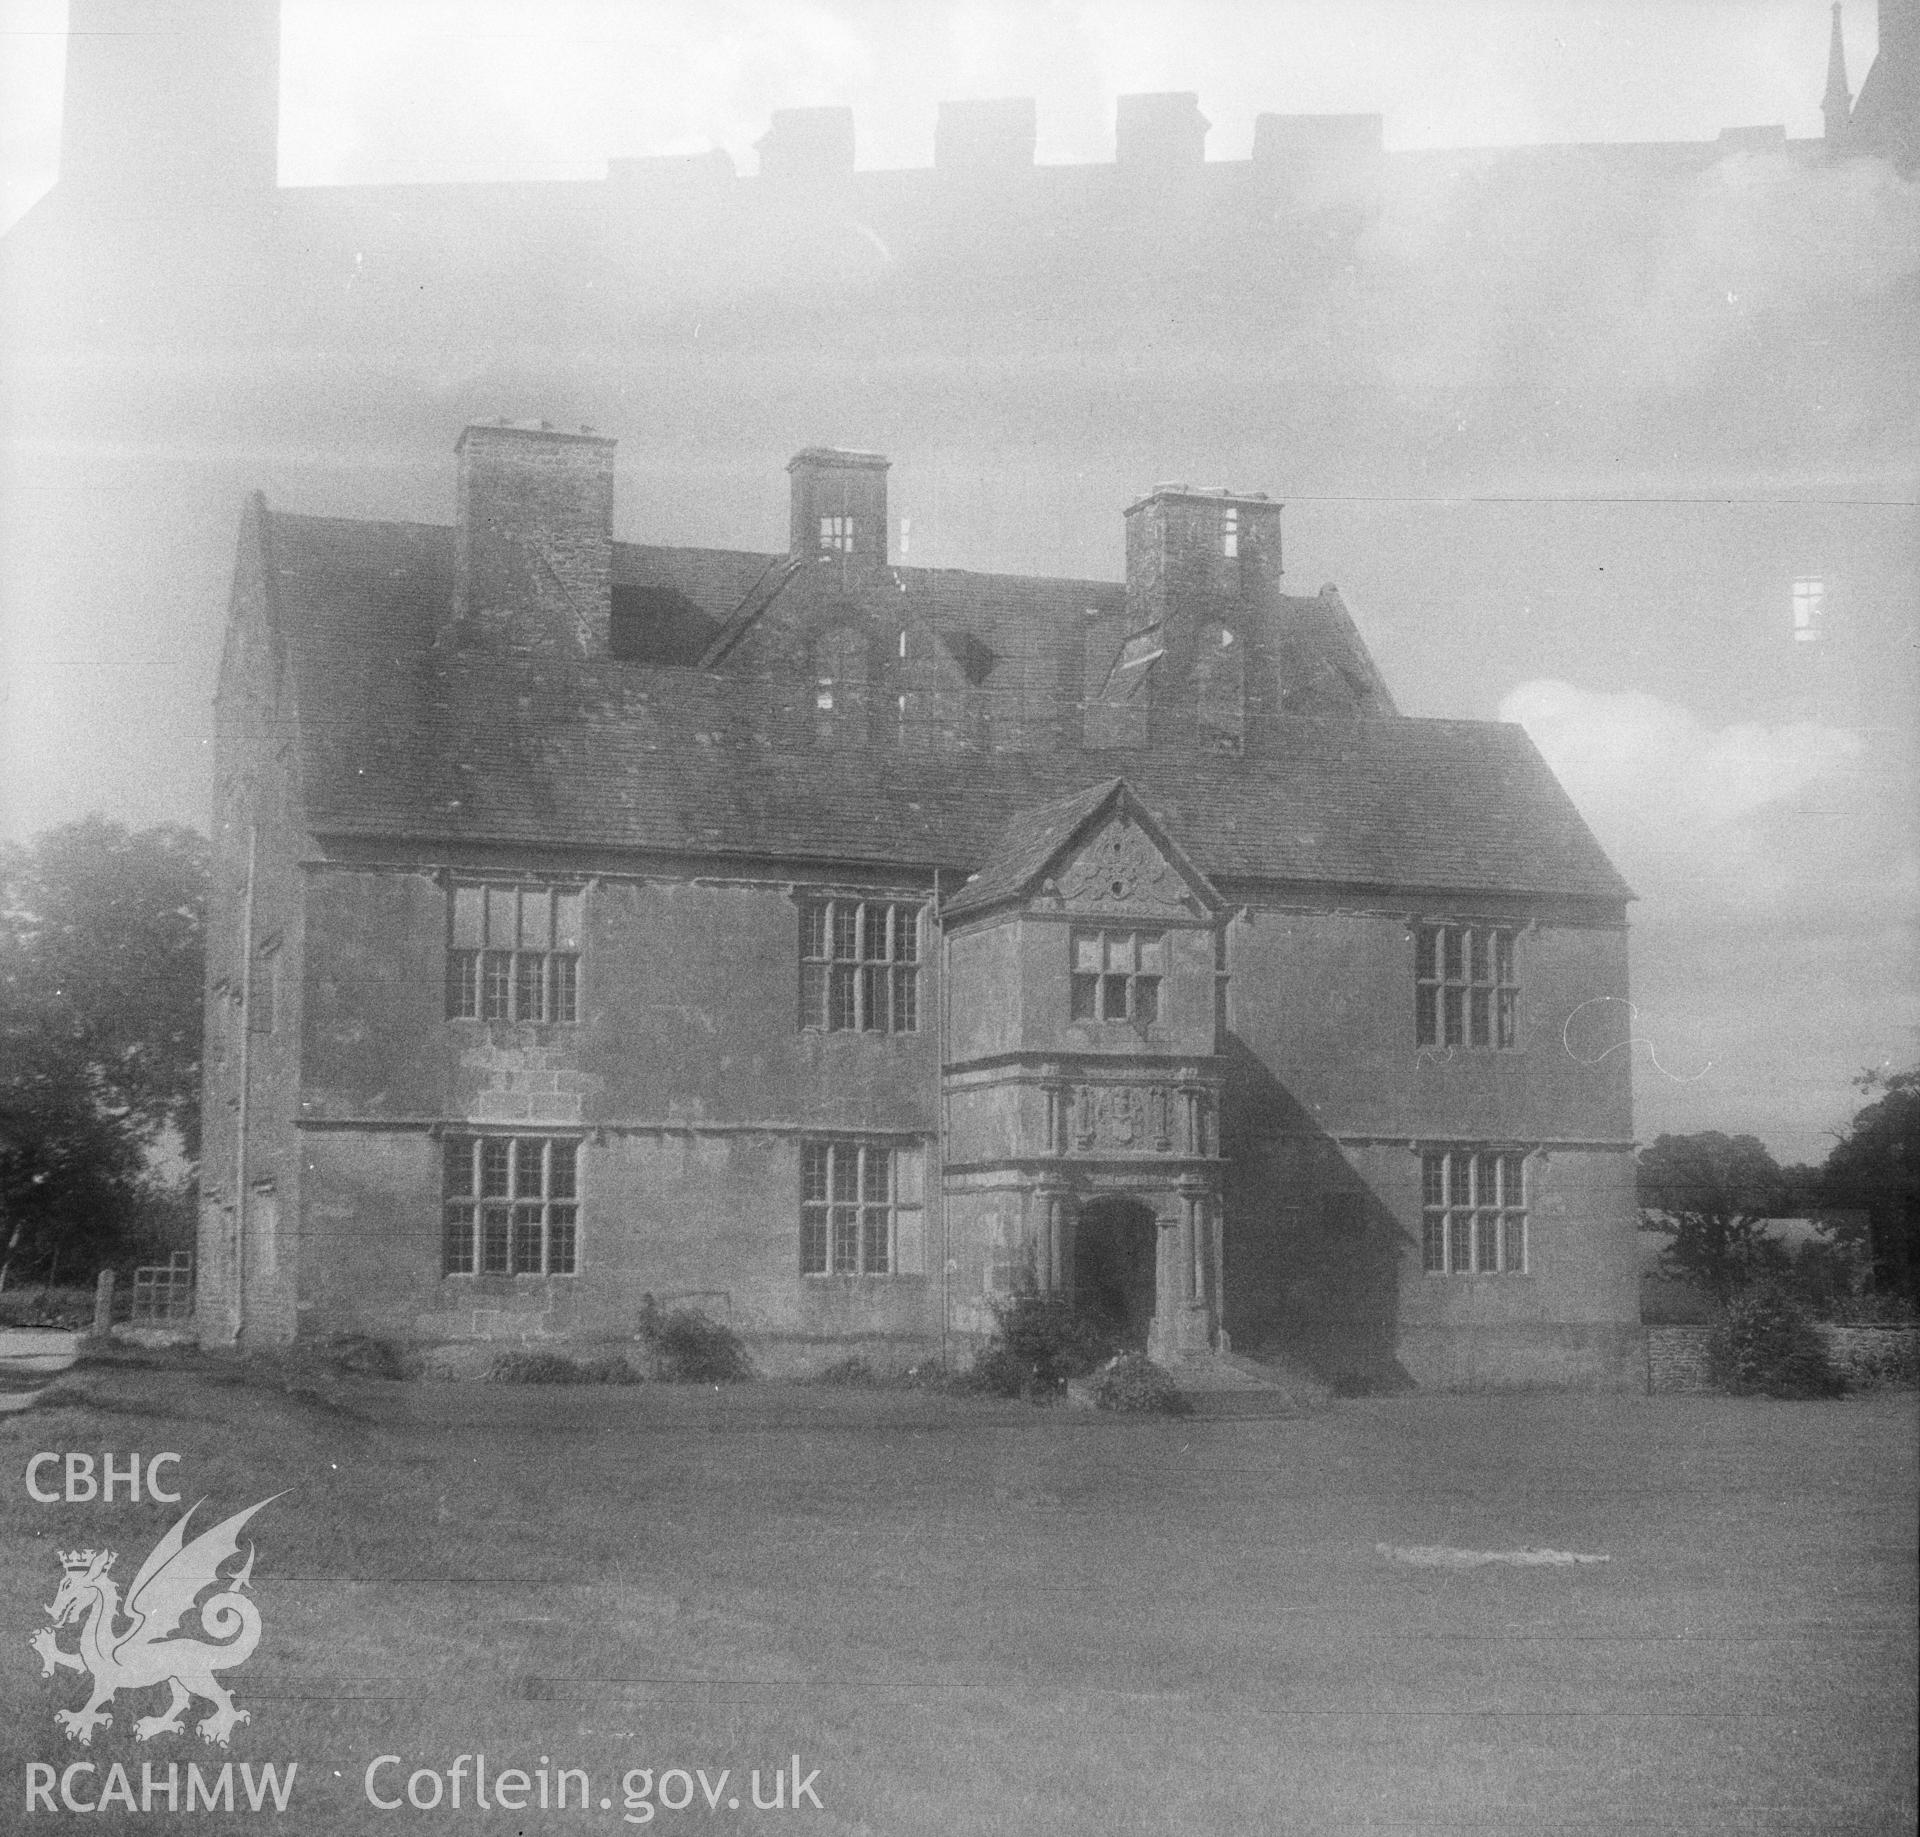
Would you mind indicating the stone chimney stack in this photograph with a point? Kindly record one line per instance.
(1190, 661)
(534, 563)
(839, 509)
(807, 146)
(1194, 551)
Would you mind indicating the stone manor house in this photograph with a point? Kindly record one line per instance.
(839, 946)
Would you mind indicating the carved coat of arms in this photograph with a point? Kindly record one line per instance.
(145, 1652)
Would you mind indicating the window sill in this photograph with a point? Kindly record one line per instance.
(502, 1284)
(472, 1020)
(1448, 1051)
(849, 1278)
(1479, 1275)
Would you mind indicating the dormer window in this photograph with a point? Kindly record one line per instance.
(836, 535)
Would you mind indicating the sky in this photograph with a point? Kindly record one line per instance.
(1557, 486)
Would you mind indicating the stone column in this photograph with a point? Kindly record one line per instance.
(1217, 1232)
(1182, 1325)
(1189, 1237)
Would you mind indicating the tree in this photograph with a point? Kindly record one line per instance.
(101, 955)
(1870, 1185)
(1712, 1195)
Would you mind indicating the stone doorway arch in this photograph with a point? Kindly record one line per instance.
(1116, 1256)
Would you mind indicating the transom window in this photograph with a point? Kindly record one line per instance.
(514, 954)
(1473, 1213)
(1464, 992)
(1117, 974)
(860, 966)
(862, 1210)
(836, 535)
(511, 1206)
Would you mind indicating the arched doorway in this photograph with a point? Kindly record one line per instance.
(1115, 1259)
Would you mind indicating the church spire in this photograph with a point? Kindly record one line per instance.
(1836, 105)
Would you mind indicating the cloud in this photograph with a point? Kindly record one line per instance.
(1773, 944)
(1660, 772)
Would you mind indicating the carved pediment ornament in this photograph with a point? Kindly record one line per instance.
(1121, 866)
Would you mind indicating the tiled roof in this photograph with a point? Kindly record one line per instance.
(403, 738)
(1035, 836)
(716, 580)
(1030, 840)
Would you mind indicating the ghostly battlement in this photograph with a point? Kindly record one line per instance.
(168, 225)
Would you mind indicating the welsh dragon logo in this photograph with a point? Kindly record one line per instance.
(137, 1657)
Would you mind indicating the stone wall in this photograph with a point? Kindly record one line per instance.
(1677, 1356)
(1677, 1360)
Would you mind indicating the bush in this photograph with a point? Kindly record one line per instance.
(688, 1348)
(933, 1376)
(39, 1306)
(852, 1370)
(1039, 1342)
(1764, 1344)
(1888, 1362)
(363, 1356)
(553, 1368)
(1870, 1311)
(1137, 1384)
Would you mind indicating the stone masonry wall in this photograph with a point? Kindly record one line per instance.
(1677, 1356)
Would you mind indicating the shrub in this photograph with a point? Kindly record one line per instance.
(39, 1306)
(852, 1370)
(995, 1372)
(363, 1356)
(1764, 1344)
(1039, 1342)
(534, 1368)
(1137, 1384)
(613, 1369)
(1870, 1311)
(1887, 1362)
(688, 1348)
(932, 1376)
(529, 1367)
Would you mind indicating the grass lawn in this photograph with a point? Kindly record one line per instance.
(983, 1618)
